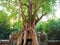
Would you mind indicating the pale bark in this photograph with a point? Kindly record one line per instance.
(28, 26)
(25, 38)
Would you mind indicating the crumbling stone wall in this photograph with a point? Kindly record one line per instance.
(42, 38)
(4, 42)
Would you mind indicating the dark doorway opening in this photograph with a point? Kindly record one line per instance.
(28, 42)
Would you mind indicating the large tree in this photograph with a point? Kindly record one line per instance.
(29, 10)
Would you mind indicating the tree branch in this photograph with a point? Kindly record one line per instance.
(25, 4)
(23, 16)
(22, 12)
(29, 11)
(38, 8)
(42, 5)
(34, 13)
(41, 17)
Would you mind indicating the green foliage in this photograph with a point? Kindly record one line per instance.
(5, 29)
(46, 5)
(42, 6)
(10, 9)
(51, 27)
(39, 26)
(17, 27)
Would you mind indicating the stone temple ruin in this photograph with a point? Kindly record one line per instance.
(42, 39)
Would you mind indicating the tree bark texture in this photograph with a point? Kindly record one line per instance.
(28, 27)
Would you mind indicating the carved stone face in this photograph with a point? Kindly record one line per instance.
(42, 37)
(14, 36)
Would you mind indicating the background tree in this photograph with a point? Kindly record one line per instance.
(51, 27)
(53, 30)
(9, 11)
(5, 28)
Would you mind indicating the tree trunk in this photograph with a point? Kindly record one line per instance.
(28, 32)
